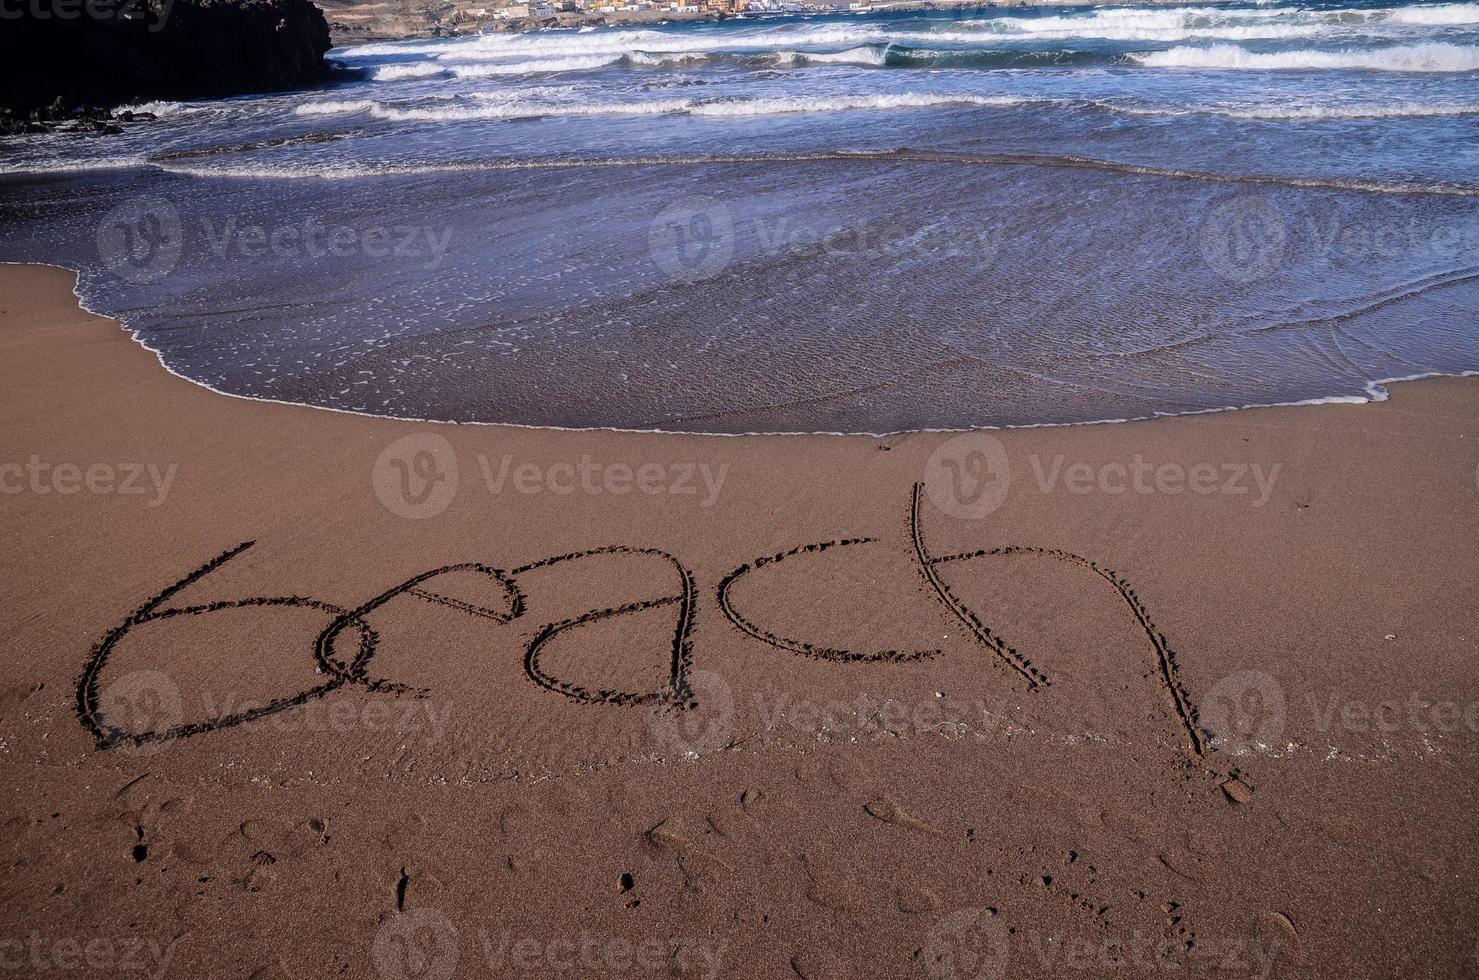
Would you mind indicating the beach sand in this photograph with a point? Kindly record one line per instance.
(1194, 694)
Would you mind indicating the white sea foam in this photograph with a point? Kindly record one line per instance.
(52, 165)
(531, 67)
(1436, 14)
(160, 109)
(905, 100)
(495, 47)
(507, 94)
(861, 55)
(1390, 111)
(414, 69)
(525, 104)
(656, 59)
(1393, 110)
(1186, 23)
(515, 109)
(1430, 57)
(335, 107)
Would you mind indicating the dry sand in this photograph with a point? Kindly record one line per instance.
(1218, 727)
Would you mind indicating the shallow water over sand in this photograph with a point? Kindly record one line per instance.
(839, 223)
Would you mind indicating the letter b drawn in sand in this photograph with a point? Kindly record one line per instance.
(967, 945)
(1244, 712)
(692, 239)
(416, 945)
(1243, 238)
(141, 240)
(968, 476)
(416, 476)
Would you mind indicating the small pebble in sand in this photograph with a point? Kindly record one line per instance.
(1237, 791)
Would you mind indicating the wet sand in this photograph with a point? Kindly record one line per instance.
(298, 694)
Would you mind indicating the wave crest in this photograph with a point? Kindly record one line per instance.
(1431, 57)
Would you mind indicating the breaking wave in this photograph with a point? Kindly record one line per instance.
(415, 69)
(1430, 57)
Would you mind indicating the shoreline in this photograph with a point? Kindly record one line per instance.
(1171, 695)
(1376, 391)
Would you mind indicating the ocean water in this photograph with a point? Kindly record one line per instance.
(844, 222)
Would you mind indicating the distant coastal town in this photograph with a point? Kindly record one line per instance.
(620, 11)
(352, 21)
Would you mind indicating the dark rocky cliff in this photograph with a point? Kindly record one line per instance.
(62, 54)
